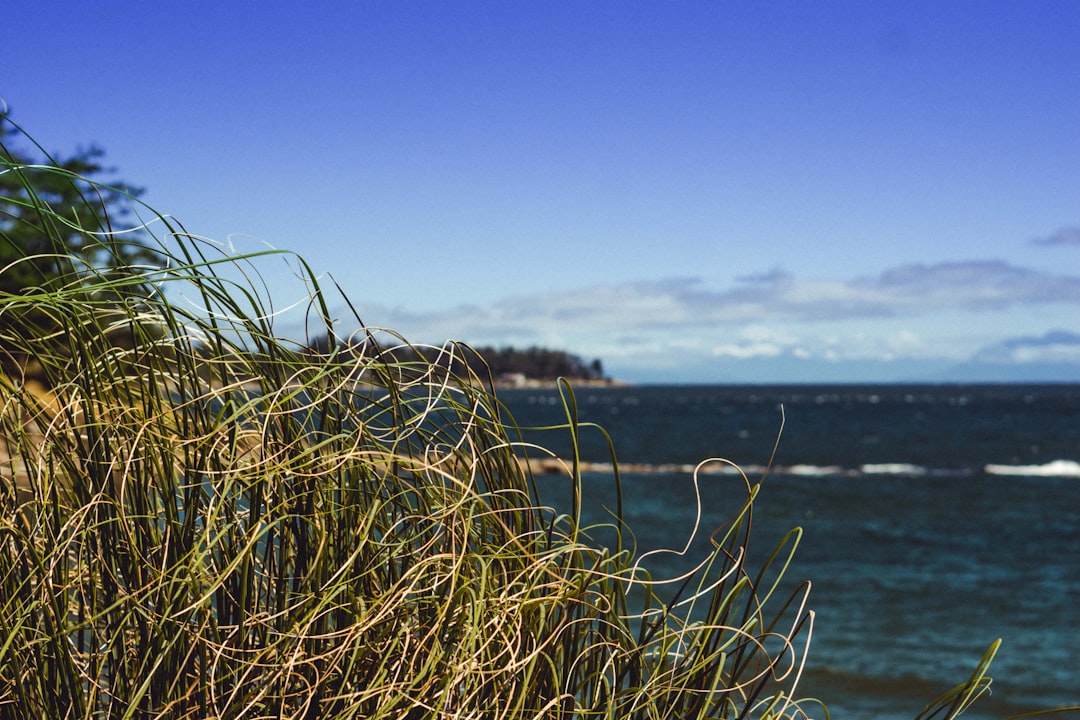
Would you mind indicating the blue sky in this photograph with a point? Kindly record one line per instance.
(708, 192)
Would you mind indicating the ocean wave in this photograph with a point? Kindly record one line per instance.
(1054, 468)
(812, 470)
(906, 469)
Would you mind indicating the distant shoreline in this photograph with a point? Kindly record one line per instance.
(535, 384)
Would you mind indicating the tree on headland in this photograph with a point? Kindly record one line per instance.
(532, 363)
(59, 231)
(540, 363)
(57, 220)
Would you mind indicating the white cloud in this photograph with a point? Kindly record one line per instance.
(768, 334)
(758, 340)
(742, 352)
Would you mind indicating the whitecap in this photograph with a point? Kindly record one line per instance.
(893, 469)
(1054, 468)
(813, 470)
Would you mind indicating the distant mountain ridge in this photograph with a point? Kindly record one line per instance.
(1012, 373)
(1053, 357)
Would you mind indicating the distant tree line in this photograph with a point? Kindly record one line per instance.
(540, 363)
(58, 220)
(60, 230)
(534, 363)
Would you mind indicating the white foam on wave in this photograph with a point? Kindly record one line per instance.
(812, 470)
(893, 469)
(1054, 468)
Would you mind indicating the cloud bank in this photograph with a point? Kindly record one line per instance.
(891, 316)
(1053, 347)
(689, 302)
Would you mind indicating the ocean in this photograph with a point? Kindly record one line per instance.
(936, 519)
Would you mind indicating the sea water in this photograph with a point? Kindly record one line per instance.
(936, 518)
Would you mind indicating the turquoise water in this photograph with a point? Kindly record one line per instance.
(936, 519)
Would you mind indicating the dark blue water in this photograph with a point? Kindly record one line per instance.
(936, 519)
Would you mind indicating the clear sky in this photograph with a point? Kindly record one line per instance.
(706, 192)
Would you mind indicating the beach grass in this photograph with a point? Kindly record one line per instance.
(202, 519)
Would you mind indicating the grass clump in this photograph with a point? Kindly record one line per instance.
(201, 519)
